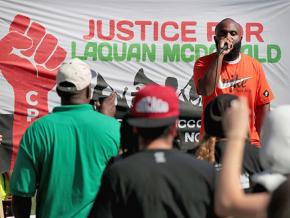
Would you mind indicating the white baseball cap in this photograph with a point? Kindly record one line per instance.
(76, 72)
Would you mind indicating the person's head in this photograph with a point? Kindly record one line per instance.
(171, 81)
(214, 112)
(213, 115)
(73, 82)
(229, 28)
(279, 205)
(275, 140)
(154, 113)
(129, 140)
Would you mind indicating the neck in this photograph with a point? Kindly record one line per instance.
(73, 101)
(232, 57)
(235, 60)
(161, 143)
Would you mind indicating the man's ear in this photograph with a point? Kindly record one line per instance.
(88, 92)
(173, 129)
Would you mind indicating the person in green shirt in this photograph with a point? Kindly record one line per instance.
(62, 155)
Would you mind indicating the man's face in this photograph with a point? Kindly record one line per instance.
(230, 29)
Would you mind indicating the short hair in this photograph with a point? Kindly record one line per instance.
(150, 134)
(67, 93)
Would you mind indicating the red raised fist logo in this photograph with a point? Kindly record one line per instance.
(29, 59)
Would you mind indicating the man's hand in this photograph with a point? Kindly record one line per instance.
(108, 106)
(236, 120)
(1, 138)
(228, 42)
(29, 59)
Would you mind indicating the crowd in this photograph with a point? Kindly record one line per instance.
(80, 161)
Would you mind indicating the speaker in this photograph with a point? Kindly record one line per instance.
(141, 78)
(100, 86)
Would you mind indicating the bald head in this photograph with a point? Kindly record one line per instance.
(228, 22)
(230, 32)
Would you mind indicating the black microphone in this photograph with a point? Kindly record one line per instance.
(223, 48)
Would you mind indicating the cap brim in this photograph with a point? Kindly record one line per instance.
(67, 89)
(151, 123)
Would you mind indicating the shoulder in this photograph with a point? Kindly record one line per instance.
(124, 167)
(171, 156)
(200, 169)
(205, 59)
(248, 59)
(41, 122)
(201, 166)
(37, 131)
(143, 165)
(109, 119)
(201, 66)
(197, 167)
(106, 123)
(132, 161)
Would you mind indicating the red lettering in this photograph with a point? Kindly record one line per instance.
(129, 34)
(91, 30)
(185, 32)
(143, 25)
(211, 30)
(254, 29)
(127, 30)
(155, 26)
(163, 31)
(111, 30)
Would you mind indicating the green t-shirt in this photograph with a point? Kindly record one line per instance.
(62, 156)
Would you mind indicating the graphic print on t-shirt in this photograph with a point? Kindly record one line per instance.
(226, 83)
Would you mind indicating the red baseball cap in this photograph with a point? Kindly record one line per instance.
(154, 106)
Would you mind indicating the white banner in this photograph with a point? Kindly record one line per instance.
(127, 44)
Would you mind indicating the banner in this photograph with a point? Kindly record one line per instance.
(127, 45)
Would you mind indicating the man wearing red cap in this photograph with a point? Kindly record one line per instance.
(158, 181)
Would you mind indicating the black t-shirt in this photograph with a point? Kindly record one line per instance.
(251, 163)
(250, 166)
(156, 184)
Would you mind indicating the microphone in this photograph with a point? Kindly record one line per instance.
(223, 48)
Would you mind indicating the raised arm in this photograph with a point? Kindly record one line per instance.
(206, 84)
(230, 199)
